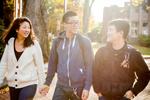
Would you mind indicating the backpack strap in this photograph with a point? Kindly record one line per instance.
(81, 44)
(56, 43)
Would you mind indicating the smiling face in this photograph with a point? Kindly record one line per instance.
(24, 30)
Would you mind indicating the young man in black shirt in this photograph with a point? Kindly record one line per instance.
(117, 65)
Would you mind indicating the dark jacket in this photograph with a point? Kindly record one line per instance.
(112, 78)
(67, 60)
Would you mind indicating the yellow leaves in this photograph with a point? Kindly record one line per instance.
(136, 2)
(147, 7)
(3, 91)
(59, 1)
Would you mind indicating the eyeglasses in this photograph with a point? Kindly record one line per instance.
(73, 22)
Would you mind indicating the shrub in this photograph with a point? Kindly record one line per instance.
(144, 40)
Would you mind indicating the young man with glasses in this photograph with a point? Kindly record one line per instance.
(72, 58)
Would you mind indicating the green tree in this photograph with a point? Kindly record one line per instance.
(86, 14)
(56, 10)
(6, 17)
(8, 10)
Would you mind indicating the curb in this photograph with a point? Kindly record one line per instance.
(146, 57)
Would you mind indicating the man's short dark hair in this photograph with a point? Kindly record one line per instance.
(67, 15)
(121, 25)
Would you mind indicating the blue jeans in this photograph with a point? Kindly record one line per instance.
(25, 93)
(103, 98)
(66, 93)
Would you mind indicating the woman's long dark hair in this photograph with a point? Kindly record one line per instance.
(15, 25)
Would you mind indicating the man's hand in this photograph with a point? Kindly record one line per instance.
(44, 90)
(85, 94)
(129, 94)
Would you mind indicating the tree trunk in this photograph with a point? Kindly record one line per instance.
(86, 14)
(36, 11)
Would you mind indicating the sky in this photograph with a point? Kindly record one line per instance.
(98, 5)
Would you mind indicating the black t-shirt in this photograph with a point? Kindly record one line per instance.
(17, 54)
(112, 78)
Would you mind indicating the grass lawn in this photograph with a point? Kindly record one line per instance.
(144, 50)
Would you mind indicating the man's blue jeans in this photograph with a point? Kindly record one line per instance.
(66, 93)
(103, 98)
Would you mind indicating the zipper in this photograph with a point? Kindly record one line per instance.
(68, 60)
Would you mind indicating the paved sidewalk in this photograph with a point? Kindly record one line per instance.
(92, 95)
(144, 95)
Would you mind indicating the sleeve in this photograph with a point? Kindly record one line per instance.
(96, 72)
(142, 73)
(39, 63)
(52, 65)
(3, 65)
(88, 59)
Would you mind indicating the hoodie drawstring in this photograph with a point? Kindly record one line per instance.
(73, 44)
(63, 46)
(74, 41)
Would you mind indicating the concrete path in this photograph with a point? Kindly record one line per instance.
(144, 95)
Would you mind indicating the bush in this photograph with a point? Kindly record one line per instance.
(133, 40)
(144, 40)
